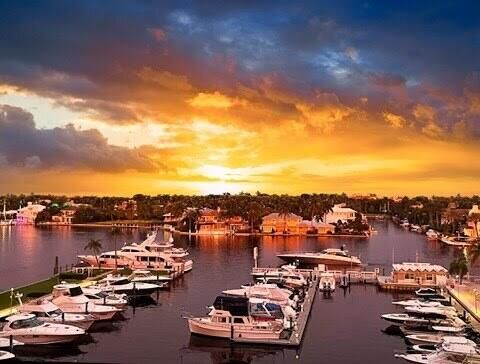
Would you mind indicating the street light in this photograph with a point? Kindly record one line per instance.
(475, 295)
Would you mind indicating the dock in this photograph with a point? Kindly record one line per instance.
(296, 335)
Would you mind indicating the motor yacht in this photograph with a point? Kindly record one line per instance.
(449, 344)
(119, 284)
(222, 324)
(425, 338)
(47, 311)
(327, 282)
(97, 296)
(402, 318)
(5, 355)
(460, 241)
(418, 303)
(146, 276)
(70, 298)
(288, 272)
(432, 235)
(28, 329)
(432, 312)
(426, 293)
(270, 292)
(328, 257)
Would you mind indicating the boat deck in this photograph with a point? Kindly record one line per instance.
(300, 324)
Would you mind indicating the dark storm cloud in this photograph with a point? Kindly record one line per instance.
(22, 145)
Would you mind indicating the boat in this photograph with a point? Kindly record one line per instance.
(167, 249)
(119, 284)
(99, 297)
(47, 311)
(432, 235)
(425, 338)
(287, 272)
(146, 276)
(426, 292)
(460, 241)
(28, 329)
(223, 324)
(449, 344)
(416, 228)
(402, 318)
(269, 292)
(5, 343)
(327, 282)
(432, 312)
(5, 355)
(418, 303)
(70, 298)
(290, 283)
(327, 257)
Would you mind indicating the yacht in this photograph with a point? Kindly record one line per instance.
(119, 284)
(167, 249)
(97, 296)
(418, 303)
(222, 324)
(461, 241)
(402, 318)
(432, 235)
(5, 355)
(426, 292)
(327, 256)
(146, 276)
(327, 282)
(47, 311)
(448, 344)
(70, 298)
(288, 272)
(425, 338)
(269, 292)
(28, 329)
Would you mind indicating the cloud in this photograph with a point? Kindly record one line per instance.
(396, 121)
(215, 100)
(22, 145)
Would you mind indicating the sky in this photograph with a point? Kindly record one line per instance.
(124, 97)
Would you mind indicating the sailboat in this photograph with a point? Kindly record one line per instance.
(4, 221)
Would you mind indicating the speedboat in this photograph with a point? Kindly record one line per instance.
(432, 235)
(288, 272)
(5, 355)
(119, 284)
(146, 276)
(425, 338)
(418, 303)
(401, 318)
(426, 292)
(222, 324)
(265, 291)
(70, 298)
(448, 344)
(47, 311)
(28, 329)
(97, 296)
(461, 241)
(432, 312)
(327, 256)
(327, 282)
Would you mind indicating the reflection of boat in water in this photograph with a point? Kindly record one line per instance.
(222, 352)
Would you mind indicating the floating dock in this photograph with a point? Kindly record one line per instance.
(299, 325)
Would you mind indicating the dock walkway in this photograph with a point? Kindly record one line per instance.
(299, 325)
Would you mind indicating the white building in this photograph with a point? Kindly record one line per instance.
(340, 212)
(26, 215)
(470, 229)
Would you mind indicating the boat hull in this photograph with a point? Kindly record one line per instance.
(29, 339)
(313, 260)
(226, 331)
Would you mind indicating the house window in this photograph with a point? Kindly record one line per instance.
(429, 277)
(409, 276)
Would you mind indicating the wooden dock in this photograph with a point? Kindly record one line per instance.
(296, 335)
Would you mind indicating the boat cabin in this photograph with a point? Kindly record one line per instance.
(414, 276)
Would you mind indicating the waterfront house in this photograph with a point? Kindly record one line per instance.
(211, 222)
(27, 215)
(64, 217)
(470, 228)
(407, 276)
(340, 212)
(282, 223)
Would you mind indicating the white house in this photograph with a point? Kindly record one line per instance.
(470, 229)
(340, 212)
(26, 215)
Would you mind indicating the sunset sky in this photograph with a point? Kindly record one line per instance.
(124, 97)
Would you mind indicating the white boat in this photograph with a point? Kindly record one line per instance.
(269, 292)
(416, 228)
(47, 311)
(119, 284)
(287, 272)
(70, 298)
(167, 249)
(426, 292)
(99, 297)
(425, 338)
(405, 224)
(5, 355)
(402, 318)
(327, 282)
(327, 257)
(461, 241)
(146, 276)
(5, 343)
(418, 303)
(432, 235)
(221, 324)
(28, 329)
(432, 311)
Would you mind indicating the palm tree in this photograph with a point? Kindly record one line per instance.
(254, 212)
(284, 211)
(95, 247)
(115, 232)
(459, 267)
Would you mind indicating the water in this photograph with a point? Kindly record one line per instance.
(345, 328)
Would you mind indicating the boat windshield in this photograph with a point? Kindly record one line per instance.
(26, 323)
(76, 291)
(120, 282)
(56, 312)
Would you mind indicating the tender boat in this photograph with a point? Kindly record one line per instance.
(222, 324)
(5, 355)
(327, 257)
(47, 311)
(269, 292)
(119, 284)
(70, 298)
(426, 292)
(327, 282)
(146, 276)
(28, 329)
(97, 296)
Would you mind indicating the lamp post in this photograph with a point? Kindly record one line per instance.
(475, 295)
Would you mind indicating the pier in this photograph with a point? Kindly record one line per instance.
(299, 325)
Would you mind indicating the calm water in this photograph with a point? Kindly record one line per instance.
(345, 328)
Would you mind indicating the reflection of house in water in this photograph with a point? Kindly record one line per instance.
(222, 352)
(293, 224)
(210, 222)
